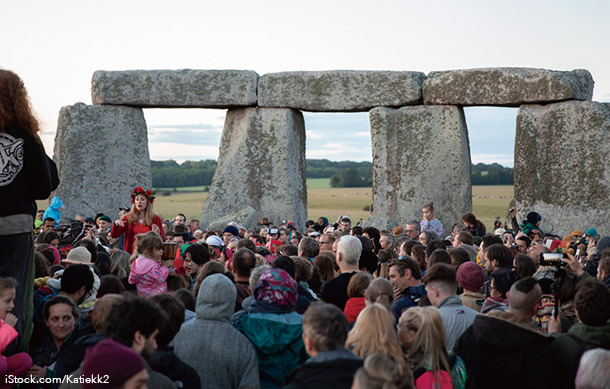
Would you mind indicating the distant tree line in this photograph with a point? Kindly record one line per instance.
(344, 174)
(170, 174)
(493, 174)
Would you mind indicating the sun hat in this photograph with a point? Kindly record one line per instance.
(80, 255)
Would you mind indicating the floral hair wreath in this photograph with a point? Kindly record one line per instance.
(139, 191)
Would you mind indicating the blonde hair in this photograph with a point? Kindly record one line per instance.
(429, 347)
(260, 260)
(374, 333)
(120, 261)
(149, 214)
(148, 242)
(381, 372)
(381, 291)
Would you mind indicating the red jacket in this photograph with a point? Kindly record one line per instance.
(128, 230)
(353, 307)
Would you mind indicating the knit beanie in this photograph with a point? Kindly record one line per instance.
(105, 218)
(603, 244)
(214, 240)
(231, 230)
(471, 276)
(113, 360)
(276, 287)
(592, 232)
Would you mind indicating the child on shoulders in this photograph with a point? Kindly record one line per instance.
(148, 271)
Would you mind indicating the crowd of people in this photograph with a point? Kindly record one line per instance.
(134, 300)
(339, 305)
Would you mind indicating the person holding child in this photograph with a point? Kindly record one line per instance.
(149, 272)
(141, 219)
(16, 365)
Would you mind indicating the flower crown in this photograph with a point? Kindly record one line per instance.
(139, 191)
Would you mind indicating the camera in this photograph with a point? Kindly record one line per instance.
(552, 259)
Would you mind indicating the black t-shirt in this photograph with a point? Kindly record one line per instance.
(335, 290)
(26, 173)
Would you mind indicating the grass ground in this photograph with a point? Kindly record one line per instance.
(488, 202)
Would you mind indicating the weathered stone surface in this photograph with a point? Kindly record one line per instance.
(245, 216)
(261, 165)
(506, 86)
(380, 223)
(420, 154)
(562, 169)
(175, 88)
(101, 154)
(339, 90)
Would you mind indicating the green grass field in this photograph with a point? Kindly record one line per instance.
(312, 183)
(487, 202)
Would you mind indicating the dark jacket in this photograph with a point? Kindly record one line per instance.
(569, 348)
(335, 290)
(331, 369)
(410, 297)
(476, 231)
(501, 350)
(26, 172)
(167, 363)
(48, 354)
(74, 353)
(242, 292)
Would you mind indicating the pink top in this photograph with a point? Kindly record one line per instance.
(149, 276)
(7, 335)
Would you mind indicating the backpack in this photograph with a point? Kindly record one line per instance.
(428, 380)
(456, 379)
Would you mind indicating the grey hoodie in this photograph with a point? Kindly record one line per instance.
(223, 357)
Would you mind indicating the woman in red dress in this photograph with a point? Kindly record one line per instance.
(142, 218)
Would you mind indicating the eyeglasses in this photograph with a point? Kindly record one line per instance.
(325, 242)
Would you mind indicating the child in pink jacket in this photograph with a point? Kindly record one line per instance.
(16, 365)
(149, 271)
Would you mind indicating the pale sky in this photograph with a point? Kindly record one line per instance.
(55, 46)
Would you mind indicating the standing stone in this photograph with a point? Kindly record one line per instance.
(101, 154)
(420, 154)
(261, 169)
(509, 87)
(175, 88)
(339, 90)
(562, 169)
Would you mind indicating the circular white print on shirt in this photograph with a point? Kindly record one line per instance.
(11, 158)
